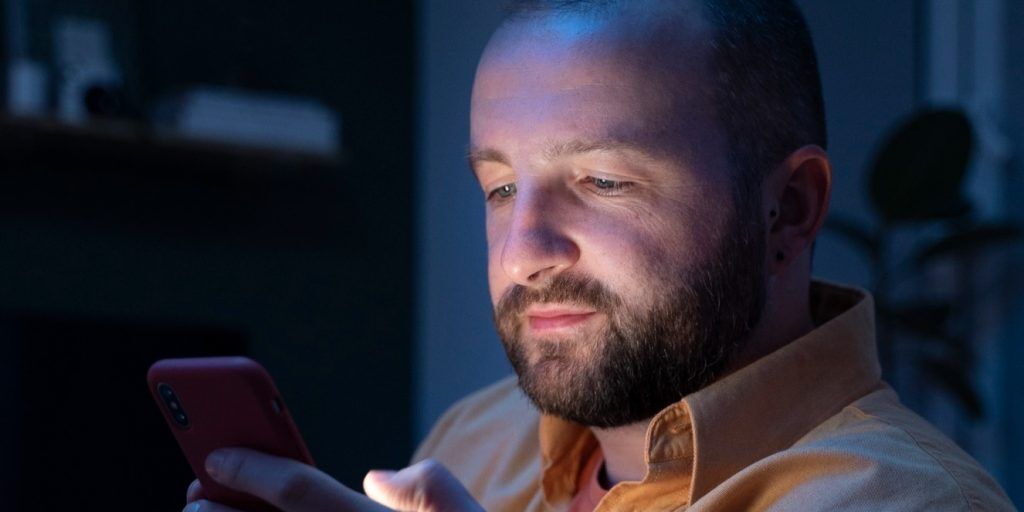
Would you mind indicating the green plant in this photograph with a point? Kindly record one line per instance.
(916, 184)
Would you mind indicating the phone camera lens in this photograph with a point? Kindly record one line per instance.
(176, 410)
(181, 419)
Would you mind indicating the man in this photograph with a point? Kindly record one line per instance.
(655, 177)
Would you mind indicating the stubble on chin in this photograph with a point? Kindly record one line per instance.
(643, 358)
(555, 364)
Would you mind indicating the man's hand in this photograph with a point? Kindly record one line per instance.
(295, 487)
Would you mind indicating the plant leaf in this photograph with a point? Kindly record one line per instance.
(954, 378)
(919, 171)
(973, 239)
(926, 317)
(855, 232)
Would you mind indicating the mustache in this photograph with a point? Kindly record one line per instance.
(566, 288)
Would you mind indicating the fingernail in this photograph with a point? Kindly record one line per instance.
(213, 464)
(192, 507)
(380, 475)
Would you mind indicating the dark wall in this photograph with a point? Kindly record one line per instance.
(1013, 373)
(308, 264)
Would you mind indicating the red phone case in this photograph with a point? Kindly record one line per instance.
(227, 402)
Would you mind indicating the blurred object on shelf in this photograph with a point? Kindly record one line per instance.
(89, 80)
(27, 88)
(252, 119)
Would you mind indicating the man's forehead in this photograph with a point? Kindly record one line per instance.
(569, 56)
(566, 80)
(642, 28)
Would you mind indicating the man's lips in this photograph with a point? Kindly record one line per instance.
(549, 317)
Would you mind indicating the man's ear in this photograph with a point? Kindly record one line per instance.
(796, 199)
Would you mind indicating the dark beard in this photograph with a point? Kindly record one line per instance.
(644, 360)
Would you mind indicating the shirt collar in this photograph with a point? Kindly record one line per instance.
(697, 443)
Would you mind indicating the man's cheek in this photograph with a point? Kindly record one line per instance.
(498, 283)
(631, 256)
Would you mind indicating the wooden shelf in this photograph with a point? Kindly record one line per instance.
(121, 178)
(131, 147)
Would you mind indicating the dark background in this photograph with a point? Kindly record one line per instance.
(117, 250)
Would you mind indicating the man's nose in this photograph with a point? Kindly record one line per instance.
(538, 245)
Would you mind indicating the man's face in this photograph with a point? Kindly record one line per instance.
(623, 271)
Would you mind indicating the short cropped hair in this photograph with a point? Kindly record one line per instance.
(766, 85)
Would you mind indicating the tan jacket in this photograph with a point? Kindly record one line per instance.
(809, 427)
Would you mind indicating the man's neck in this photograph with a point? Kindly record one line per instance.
(624, 447)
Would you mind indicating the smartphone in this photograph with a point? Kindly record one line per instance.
(219, 402)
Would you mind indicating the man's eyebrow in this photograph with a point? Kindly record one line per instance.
(475, 156)
(556, 150)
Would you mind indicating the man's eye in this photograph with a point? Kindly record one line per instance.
(608, 187)
(503, 192)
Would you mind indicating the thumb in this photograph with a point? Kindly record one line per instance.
(423, 487)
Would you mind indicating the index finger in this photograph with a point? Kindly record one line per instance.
(285, 483)
(194, 492)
